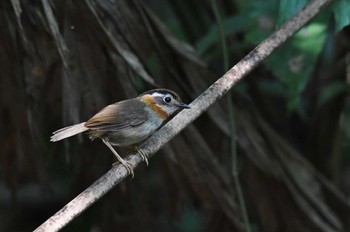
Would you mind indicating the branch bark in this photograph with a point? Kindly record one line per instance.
(180, 121)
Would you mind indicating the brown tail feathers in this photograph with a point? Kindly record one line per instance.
(68, 131)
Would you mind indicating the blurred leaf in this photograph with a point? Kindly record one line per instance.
(272, 87)
(256, 19)
(230, 25)
(311, 38)
(332, 91)
(257, 34)
(262, 20)
(288, 8)
(293, 63)
(341, 10)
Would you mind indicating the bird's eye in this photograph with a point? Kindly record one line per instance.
(167, 99)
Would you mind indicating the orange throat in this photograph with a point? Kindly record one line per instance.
(149, 101)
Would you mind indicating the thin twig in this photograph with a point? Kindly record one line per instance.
(231, 117)
(180, 121)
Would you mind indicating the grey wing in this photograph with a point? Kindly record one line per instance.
(128, 113)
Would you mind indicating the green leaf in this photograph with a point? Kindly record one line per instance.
(341, 10)
(331, 91)
(311, 38)
(273, 87)
(230, 26)
(293, 63)
(262, 17)
(288, 8)
(256, 20)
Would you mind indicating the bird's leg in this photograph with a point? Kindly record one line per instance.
(143, 155)
(120, 159)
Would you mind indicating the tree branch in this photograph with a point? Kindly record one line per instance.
(180, 121)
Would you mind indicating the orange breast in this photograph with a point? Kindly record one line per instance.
(148, 99)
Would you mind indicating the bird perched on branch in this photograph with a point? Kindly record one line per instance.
(129, 122)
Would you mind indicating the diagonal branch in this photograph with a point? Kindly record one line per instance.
(180, 121)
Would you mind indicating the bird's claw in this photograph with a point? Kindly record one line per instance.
(143, 155)
(127, 166)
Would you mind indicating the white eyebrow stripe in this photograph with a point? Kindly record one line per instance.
(156, 94)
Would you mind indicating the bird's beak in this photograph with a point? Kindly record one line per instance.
(183, 105)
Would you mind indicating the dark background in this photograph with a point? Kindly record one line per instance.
(62, 61)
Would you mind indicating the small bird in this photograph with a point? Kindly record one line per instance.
(129, 122)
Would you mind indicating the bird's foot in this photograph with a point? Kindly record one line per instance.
(143, 155)
(127, 166)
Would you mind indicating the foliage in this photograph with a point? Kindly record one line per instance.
(341, 11)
